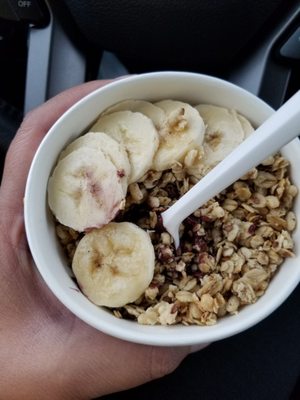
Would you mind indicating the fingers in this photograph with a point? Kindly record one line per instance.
(31, 132)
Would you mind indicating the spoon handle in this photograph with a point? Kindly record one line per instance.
(274, 133)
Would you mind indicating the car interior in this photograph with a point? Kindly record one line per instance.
(47, 46)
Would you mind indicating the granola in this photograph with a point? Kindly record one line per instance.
(230, 248)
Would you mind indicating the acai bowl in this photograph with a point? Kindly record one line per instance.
(180, 312)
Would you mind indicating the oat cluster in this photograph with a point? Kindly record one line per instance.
(230, 248)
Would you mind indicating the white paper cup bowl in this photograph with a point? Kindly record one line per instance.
(47, 252)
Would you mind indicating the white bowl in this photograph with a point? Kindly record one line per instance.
(48, 255)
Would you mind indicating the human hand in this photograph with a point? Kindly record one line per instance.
(45, 351)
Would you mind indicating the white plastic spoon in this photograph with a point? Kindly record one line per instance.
(272, 135)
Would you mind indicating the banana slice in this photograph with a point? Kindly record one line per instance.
(85, 190)
(182, 131)
(138, 135)
(223, 132)
(246, 125)
(115, 264)
(111, 148)
(151, 111)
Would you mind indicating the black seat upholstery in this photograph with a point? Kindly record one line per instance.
(205, 36)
